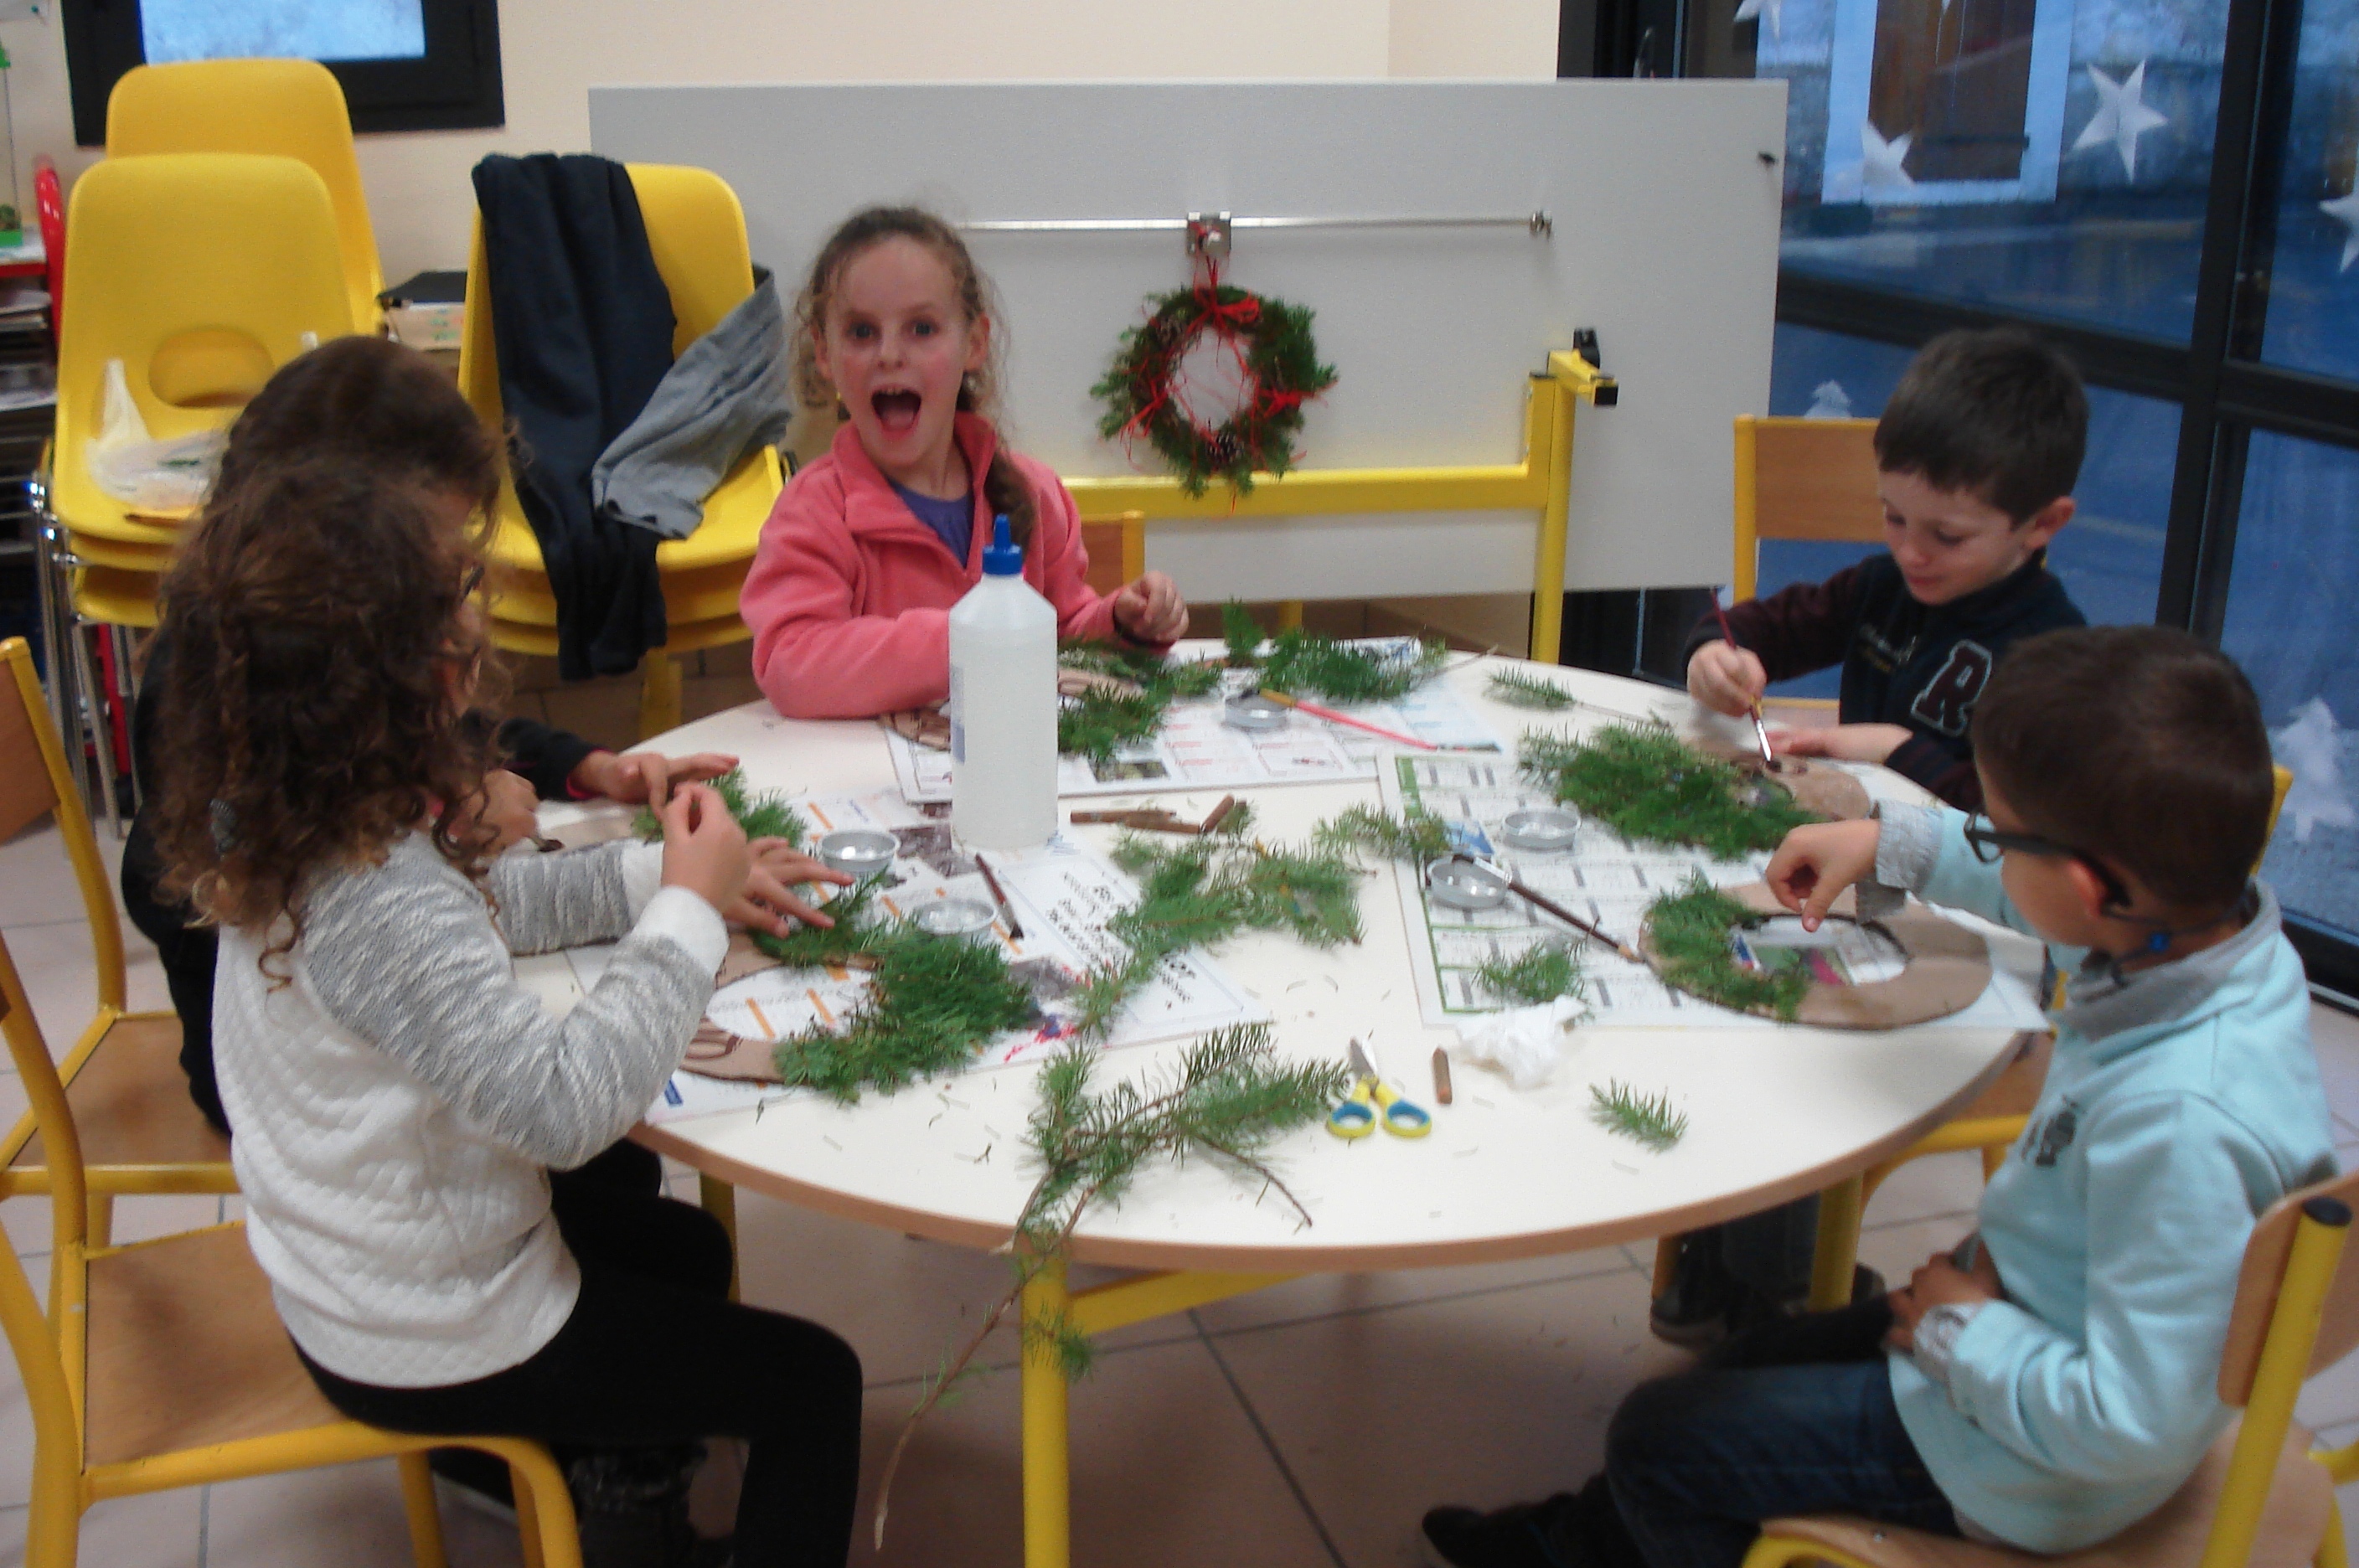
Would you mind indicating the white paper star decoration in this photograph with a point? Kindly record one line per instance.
(2121, 118)
(1879, 160)
(2344, 210)
(1749, 10)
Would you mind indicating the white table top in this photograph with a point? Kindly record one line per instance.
(1774, 1111)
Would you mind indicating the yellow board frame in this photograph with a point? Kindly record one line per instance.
(1542, 483)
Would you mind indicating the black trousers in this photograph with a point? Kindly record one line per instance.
(189, 953)
(655, 1352)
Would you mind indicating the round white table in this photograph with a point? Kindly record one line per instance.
(1774, 1112)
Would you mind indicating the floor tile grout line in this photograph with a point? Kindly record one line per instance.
(204, 1524)
(1410, 1304)
(1268, 1443)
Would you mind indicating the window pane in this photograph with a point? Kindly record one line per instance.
(2313, 303)
(2290, 625)
(2046, 156)
(2109, 557)
(301, 30)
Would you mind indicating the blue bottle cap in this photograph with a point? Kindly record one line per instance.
(1002, 557)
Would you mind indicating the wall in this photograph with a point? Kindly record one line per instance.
(552, 50)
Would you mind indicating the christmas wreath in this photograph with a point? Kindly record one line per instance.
(1277, 367)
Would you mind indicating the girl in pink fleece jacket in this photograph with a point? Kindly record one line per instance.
(869, 547)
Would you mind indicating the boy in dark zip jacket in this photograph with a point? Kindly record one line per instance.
(1977, 453)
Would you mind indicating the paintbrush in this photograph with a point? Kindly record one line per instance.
(1007, 914)
(1539, 901)
(1760, 730)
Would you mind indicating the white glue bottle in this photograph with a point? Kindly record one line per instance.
(1003, 706)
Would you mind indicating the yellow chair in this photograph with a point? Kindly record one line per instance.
(203, 273)
(141, 1133)
(2260, 1495)
(697, 231)
(1117, 551)
(286, 108)
(1802, 479)
(163, 1365)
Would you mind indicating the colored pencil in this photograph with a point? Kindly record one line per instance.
(1332, 717)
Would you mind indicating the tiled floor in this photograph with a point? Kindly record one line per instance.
(1305, 1426)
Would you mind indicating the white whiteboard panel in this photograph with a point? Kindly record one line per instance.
(1665, 242)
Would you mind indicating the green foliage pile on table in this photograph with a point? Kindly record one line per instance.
(1689, 931)
(1650, 787)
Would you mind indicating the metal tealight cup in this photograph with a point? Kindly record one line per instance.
(960, 918)
(858, 853)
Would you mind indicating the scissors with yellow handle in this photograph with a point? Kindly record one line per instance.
(1370, 1102)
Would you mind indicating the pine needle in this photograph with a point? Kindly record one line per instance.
(1540, 974)
(762, 814)
(1300, 662)
(1648, 1119)
(1690, 933)
(856, 931)
(1649, 787)
(1416, 836)
(1099, 723)
(1242, 633)
(1519, 690)
(933, 1002)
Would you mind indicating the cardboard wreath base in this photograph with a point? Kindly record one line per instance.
(1817, 787)
(1945, 967)
(713, 1052)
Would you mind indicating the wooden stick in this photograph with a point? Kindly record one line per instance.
(1587, 928)
(1440, 1076)
(1220, 814)
(1332, 717)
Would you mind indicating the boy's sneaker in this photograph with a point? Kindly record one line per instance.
(1522, 1535)
(632, 1504)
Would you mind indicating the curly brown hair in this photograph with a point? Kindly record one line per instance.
(313, 708)
(372, 402)
(1002, 486)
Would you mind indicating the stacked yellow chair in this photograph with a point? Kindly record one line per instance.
(204, 273)
(697, 230)
(283, 108)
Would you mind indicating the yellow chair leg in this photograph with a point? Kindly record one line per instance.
(1666, 1264)
(102, 1219)
(1838, 1248)
(425, 1519)
(2331, 1552)
(1048, 1477)
(720, 1201)
(545, 1520)
(659, 697)
(53, 1530)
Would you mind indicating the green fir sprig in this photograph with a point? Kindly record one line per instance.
(1649, 1119)
(1100, 722)
(1648, 785)
(931, 1004)
(1540, 974)
(1689, 931)
(1303, 663)
(1229, 1098)
(1243, 635)
(1416, 836)
(763, 813)
(857, 929)
(1518, 690)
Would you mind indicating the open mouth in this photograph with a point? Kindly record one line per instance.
(897, 411)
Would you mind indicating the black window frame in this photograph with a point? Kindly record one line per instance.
(2217, 378)
(455, 85)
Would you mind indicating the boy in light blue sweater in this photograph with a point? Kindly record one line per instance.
(2051, 1380)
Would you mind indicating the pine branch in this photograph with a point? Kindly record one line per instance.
(856, 931)
(1098, 722)
(932, 1003)
(1519, 690)
(763, 813)
(1690, 933)
(1415, 836)
(1649, 787)
(1648, 1119)
(1301, 662)
(1243, 635)
(1539, 974)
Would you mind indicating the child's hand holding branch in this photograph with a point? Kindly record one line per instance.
(769, 895)
(1819, 862)
(704, 850)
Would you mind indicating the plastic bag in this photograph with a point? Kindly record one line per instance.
(1523, 1043)
(144, 474)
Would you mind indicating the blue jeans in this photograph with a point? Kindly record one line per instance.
(1795, 1417)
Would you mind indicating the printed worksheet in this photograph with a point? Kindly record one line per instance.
(1061, 895)
(1199, 749)
(1604, 877)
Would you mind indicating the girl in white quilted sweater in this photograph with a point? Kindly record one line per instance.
(400, 1100)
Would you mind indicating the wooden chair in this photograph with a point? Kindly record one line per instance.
(2260, 1496)
(140, 1131)
(163, 1365)
(1117, 548)
(1802, 479)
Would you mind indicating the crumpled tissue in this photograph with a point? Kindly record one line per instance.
(1524, 1043)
